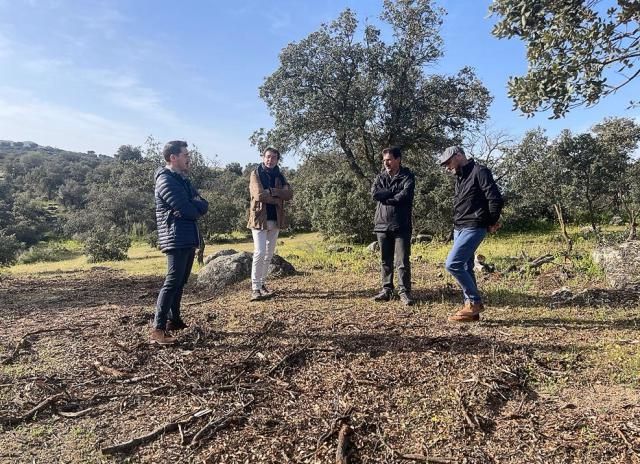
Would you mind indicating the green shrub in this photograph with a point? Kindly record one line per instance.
(106, 245)
(9, 248)
(45, 252)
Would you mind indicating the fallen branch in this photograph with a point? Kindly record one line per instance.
(15, 420)
(621, 434)
(218, 424)
(344, 418)
(170, 427)
(74, 414)
(285, 360)
(137, 379)
(343, 451)
(109, 370)
(536, 263)
(201, 301)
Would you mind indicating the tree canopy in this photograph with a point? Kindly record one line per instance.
(350, 91)
(574, 48)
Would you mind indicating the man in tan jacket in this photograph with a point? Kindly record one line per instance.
(269, 190)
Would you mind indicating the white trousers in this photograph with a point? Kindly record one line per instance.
(264, 245)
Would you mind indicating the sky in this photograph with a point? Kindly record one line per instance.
(95, 75)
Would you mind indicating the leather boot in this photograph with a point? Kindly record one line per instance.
(158, 336)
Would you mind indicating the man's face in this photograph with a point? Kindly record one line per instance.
(270, 159)
(391, 164)
(182, 161)
(453, 164)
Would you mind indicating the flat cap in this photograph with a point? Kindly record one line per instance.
(449, 152)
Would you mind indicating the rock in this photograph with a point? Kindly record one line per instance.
(423, 238)
(228, 268)
(587, 231)
(280, 267)
(225, 270)
(373, 247)
(621, 263)
(339, 248)
(224, 252)
(563, 292)
(616, 221)
(480, 264)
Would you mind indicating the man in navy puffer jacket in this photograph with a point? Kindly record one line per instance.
(178, 207)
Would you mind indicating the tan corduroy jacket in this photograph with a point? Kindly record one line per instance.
(259, 199)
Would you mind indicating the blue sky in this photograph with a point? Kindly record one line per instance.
(95, 75)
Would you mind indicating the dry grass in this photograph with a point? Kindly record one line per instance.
(530, 383)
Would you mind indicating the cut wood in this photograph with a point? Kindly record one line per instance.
(343, 450)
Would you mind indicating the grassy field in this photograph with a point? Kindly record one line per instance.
(546, 376)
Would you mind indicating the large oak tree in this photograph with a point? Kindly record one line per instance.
(345, 88)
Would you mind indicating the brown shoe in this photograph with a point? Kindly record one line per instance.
(470, 312)
(158, 336)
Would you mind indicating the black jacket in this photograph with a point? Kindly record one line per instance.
(178, 207)
(477, 201)
(395, 201)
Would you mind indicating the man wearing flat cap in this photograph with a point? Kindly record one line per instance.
(477, 204)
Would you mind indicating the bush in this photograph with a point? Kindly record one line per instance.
(106, 245)
(9, 248)
(46, 252)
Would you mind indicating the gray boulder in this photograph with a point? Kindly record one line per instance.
(225, 252)
(280, 267)
(373, 247)
(621, 263)
(340, 248)
(227, 269)
(422, 238)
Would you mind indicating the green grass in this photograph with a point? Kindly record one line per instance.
(308, 251)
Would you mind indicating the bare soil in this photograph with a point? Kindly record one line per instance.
(276, 381)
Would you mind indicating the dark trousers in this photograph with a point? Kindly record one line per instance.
(395, 248)
(179, 264)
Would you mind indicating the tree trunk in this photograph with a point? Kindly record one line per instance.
(633, 225)
(563, 226)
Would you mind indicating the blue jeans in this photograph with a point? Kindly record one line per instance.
(179, 264)
(461, 260)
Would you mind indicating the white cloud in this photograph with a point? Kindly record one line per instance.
(25, 117)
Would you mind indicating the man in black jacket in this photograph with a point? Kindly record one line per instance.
(393, 190)
(477, 205)
(178, 207)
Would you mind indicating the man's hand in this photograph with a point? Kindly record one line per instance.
(494, 228)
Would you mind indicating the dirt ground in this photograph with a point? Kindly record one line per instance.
(320, 367)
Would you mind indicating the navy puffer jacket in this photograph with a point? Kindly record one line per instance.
(178, 207)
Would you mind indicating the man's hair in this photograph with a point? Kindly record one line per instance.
(393, 151)
(272, 150)
(173, 148)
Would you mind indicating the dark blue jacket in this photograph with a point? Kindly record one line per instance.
(178, 207)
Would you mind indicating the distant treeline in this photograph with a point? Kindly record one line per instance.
(106, 201)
